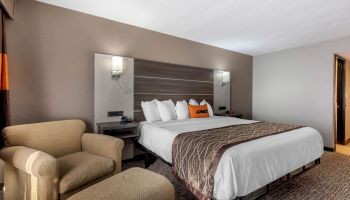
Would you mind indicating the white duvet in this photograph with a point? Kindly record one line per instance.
(246, 167)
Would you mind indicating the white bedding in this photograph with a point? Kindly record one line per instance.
(246, 167)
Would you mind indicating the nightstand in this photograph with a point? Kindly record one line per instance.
(128, 132)
(237, 115)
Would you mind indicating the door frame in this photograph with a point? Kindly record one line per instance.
(335, 92)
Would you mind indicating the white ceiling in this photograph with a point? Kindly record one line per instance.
(252, 27)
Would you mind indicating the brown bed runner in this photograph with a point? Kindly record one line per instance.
(196, 155)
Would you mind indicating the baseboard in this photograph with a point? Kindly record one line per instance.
(328, 149)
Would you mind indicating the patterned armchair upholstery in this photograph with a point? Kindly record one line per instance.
(54, 160)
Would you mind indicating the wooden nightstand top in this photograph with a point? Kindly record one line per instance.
(119, 129)
(117, 125)
(237, 115)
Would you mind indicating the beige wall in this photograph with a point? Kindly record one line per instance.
(51, 59)
(9, 6)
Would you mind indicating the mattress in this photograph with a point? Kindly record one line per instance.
(246, 167)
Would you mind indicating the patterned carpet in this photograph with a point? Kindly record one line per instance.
(329, 180)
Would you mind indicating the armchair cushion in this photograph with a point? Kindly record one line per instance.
(104, 145)
(31, 161)
(80, 168)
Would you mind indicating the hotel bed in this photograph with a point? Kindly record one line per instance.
(245, 167)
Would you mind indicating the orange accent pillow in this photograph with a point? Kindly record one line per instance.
(198, 111)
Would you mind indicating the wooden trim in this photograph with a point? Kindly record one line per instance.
(334, 101)
(174, 71)
(170, 86)
(335, 56)
(173, 79)
(163, 81)
(166, 94)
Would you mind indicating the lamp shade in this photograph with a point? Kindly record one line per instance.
(225, 77)
(117, 64)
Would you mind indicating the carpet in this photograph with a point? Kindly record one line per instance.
(329, 180)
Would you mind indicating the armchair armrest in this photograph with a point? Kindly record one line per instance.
(31, 161)
(104, 145)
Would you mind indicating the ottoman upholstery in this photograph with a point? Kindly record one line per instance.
(131, 184)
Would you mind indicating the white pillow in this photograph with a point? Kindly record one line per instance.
(166, 110)
(210, 109)
(193, 102)
(181, 110)
(150, 111)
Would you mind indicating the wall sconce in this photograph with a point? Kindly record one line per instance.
(117, 66)
(225, 78)
(117, 70)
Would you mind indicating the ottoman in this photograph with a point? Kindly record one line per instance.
(131, 184)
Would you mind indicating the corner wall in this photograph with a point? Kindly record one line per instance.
(296, 86)
(9, 6)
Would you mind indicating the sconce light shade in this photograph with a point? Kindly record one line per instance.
(225, 77)
(117, 66)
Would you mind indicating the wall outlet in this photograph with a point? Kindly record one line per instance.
(222, 107)
(115, 113)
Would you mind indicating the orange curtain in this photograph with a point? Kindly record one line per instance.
(4, 81)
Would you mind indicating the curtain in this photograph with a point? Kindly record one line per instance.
(4, 81)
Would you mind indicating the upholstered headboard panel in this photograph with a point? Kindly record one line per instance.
(162, 81)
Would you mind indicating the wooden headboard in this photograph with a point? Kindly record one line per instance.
(162, 81)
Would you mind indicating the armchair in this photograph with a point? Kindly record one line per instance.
(54, 160)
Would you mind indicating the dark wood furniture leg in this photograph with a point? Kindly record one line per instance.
(318, 161)
(149, 159)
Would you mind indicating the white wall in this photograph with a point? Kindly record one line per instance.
(296, 86)
(107, 94)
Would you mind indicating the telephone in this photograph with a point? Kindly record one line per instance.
(229, 112)
(125, 120)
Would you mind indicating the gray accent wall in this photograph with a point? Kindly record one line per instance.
(51, 61)
(296, 86)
